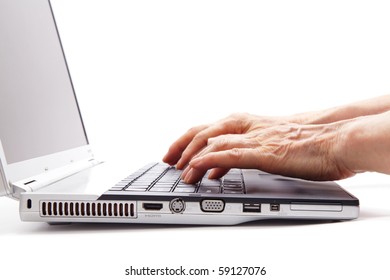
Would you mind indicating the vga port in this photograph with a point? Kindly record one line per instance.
(212, 205)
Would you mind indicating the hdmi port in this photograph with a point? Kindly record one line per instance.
(152, 206)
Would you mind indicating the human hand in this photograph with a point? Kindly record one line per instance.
(196, 138)
(270, 144)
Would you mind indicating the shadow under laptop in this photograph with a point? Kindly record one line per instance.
(365, 214)
(107, 227)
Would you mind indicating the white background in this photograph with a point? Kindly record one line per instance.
(145, 71)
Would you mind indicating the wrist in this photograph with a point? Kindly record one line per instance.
(315, 117)
(365, 144)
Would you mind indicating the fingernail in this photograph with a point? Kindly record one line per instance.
(188, 176)
(179, 165)
(184, 173)
(164, 159)
(212, 174)
(195, 162)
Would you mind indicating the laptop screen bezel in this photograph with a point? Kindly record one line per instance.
(13, 172)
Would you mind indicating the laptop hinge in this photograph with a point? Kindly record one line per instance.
(49, 177)
(5, 189)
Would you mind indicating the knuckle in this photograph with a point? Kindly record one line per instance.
(185, 154)
(237, 122)
(237, 115)
(194, 130)
(233, 116)
(235, 154)
(199, 138)
(219, 142)
(211, 141)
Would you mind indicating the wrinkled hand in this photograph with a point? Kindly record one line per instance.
(270, 144)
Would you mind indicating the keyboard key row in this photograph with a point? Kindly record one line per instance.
(164, 178)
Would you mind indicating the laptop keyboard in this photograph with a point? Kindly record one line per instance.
(160, 177)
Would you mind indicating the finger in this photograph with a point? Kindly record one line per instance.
(185, 172)
(226, 142)
(176, 149)
(199, 141)
(234, 158)
(193, 141)
(221, 162)
(194, 175)
(220, 143)
(217, 173)
(191, 176)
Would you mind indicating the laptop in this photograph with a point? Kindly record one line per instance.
(47, 163)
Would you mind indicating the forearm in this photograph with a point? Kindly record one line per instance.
(368, 107)
(365, 144)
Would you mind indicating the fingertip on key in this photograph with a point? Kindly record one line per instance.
(195, 162)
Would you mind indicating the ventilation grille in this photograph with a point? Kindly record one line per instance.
(82, 209)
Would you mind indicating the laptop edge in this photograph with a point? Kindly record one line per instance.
(47, 187)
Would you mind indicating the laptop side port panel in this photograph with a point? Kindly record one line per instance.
(212, 205)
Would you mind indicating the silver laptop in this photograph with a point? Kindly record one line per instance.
(47, 163)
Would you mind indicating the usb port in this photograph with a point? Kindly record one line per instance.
(274, 207)
(252, 207)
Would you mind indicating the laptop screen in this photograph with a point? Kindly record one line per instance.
(39, 114)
